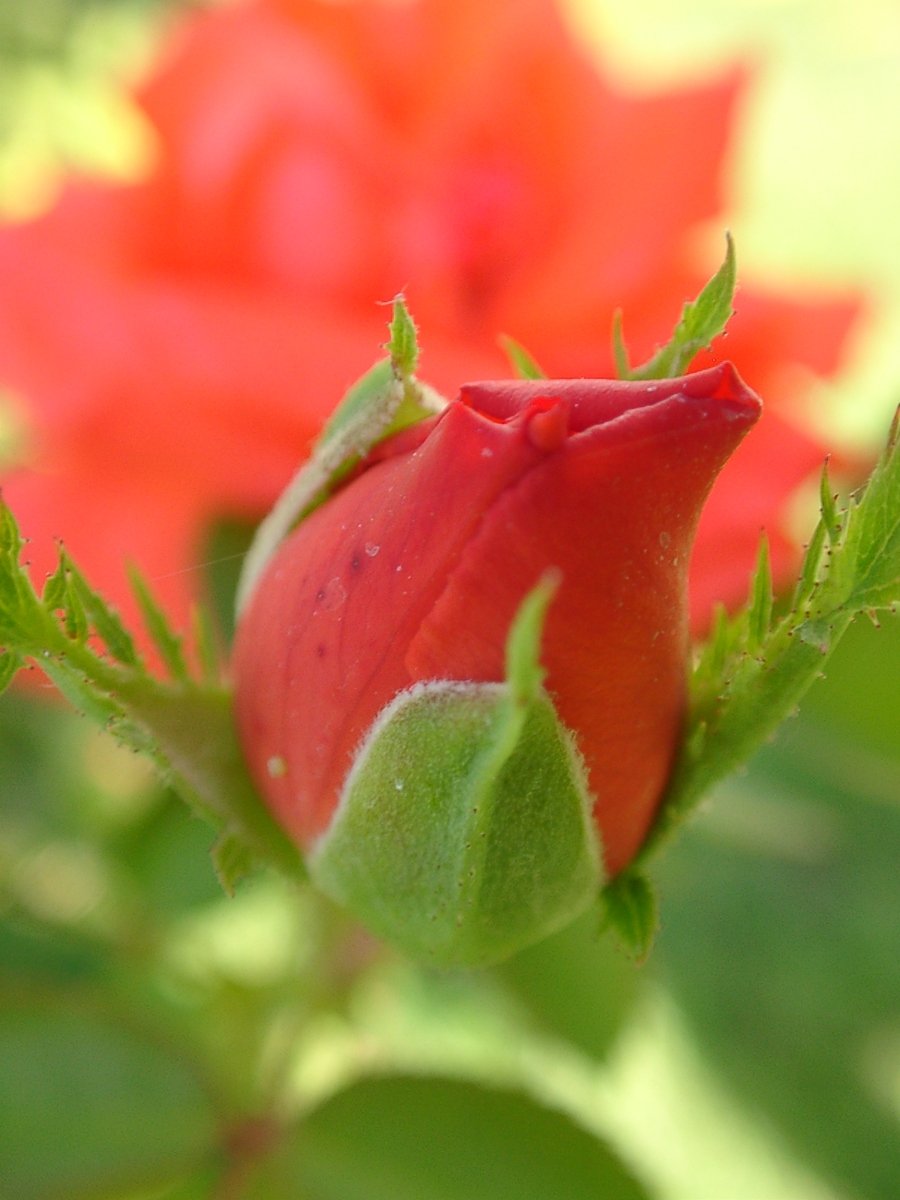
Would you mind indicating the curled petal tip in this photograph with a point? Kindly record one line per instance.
(547, 423)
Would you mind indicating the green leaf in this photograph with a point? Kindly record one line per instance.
(52, 954)
(860, 699)
(397, 1138)
(523, 363)
(780, 940)
(631, 911)
(754, 671)
(90, 1103)
(387, 399)
(41, 791)
(577, 985)
(166, 852)
(702, 320)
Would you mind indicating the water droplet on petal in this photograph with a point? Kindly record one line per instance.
(277, 767)
(333, 595)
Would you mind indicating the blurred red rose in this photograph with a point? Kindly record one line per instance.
(177, 342)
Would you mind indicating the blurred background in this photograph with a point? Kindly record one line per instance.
(756, 1055)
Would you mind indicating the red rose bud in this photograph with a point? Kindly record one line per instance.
(389, 697)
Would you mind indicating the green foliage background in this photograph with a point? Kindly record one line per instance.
(152, 1031)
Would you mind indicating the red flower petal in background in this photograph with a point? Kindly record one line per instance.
(179, 341)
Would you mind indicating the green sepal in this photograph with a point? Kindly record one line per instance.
(757, 665)
(164, 638)
(464, 831)
(403, 344)
(630, 909)
(701, 321)
(521, 360)
(94, 613)
(387, 399)
(759, 609)
(184, 725)
(524, 672)
(232, 861)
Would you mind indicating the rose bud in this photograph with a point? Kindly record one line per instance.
(456, 748)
